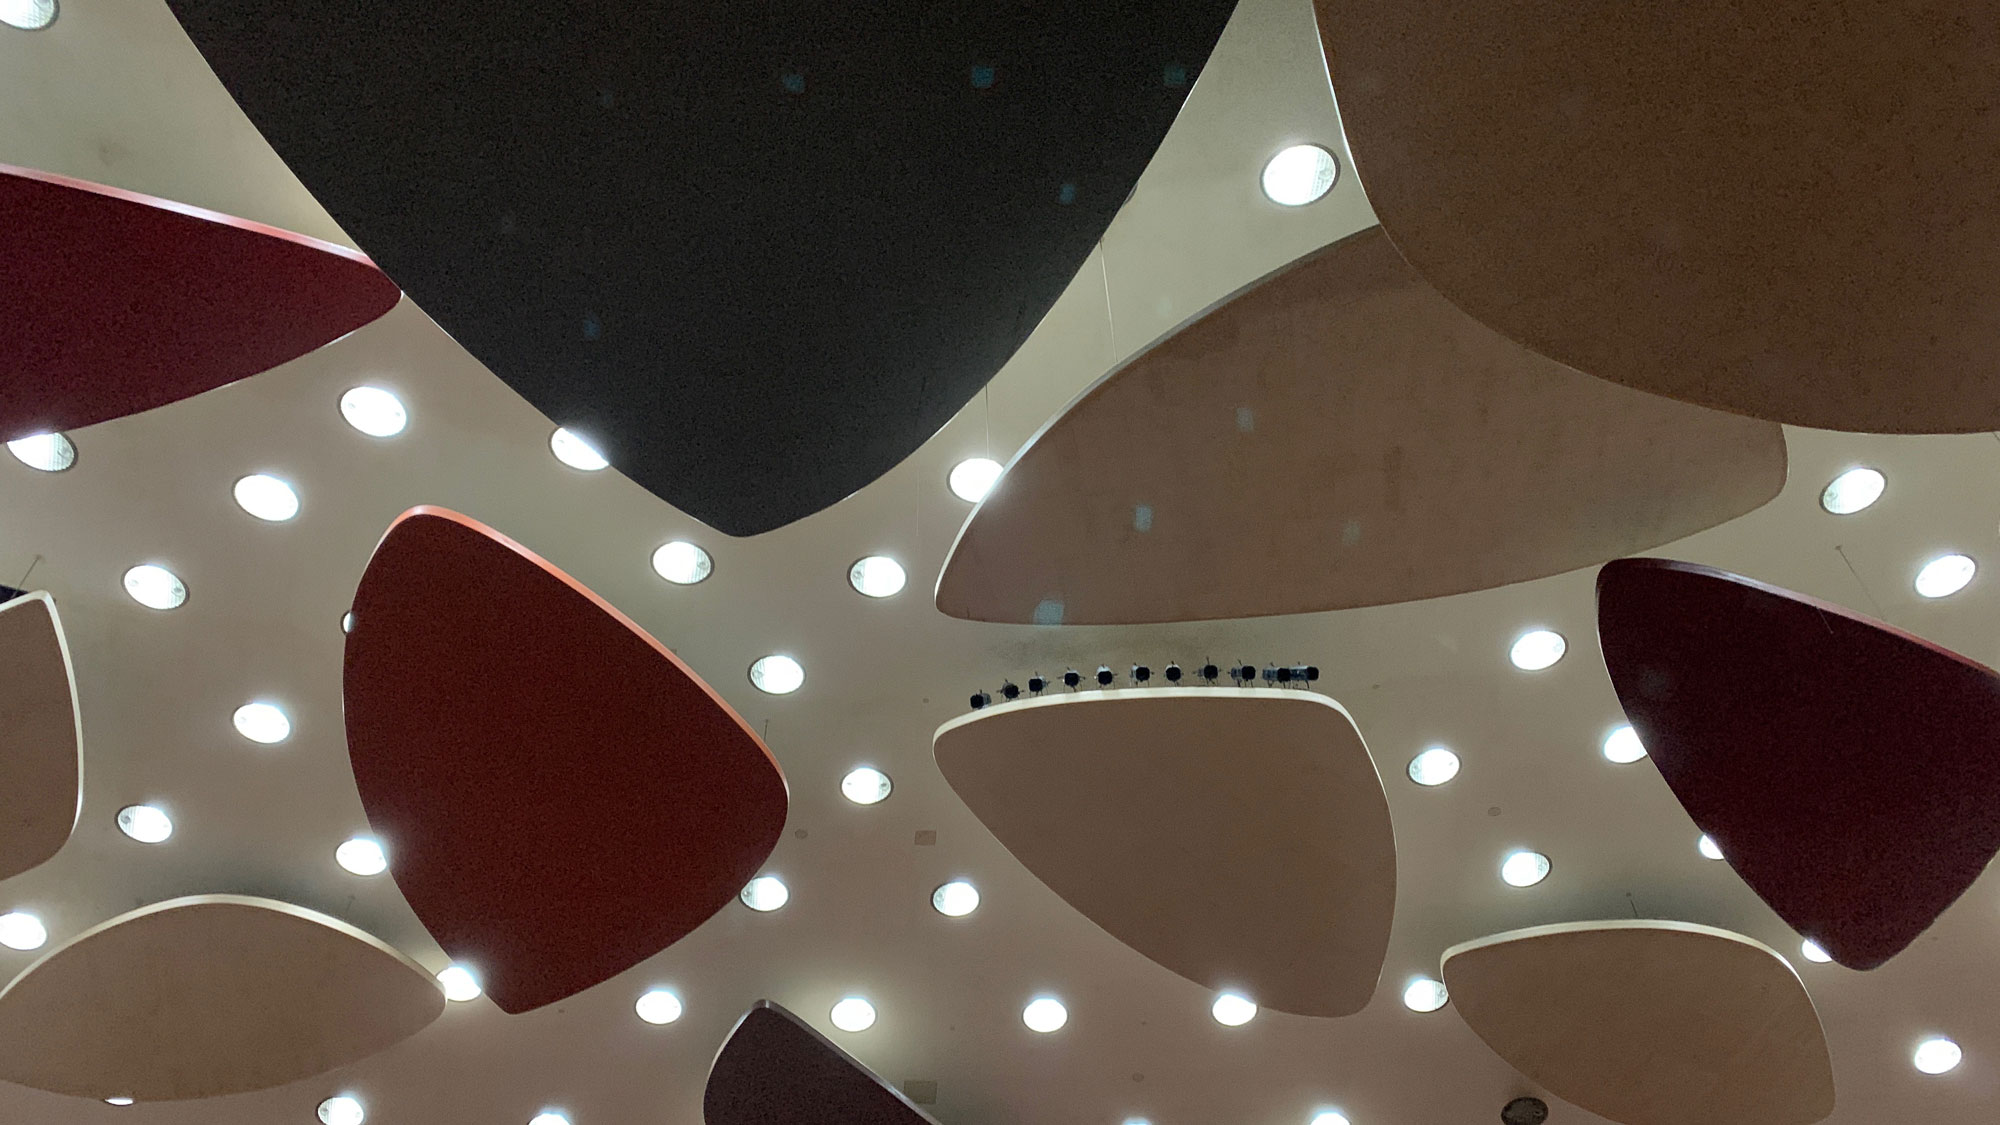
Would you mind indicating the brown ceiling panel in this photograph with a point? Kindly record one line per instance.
(1339, 435)
(41, 764)
(561, 797)
(775, 1070)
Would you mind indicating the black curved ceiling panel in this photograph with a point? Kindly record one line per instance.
(756, 254)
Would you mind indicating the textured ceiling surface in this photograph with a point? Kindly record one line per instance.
(116, 94)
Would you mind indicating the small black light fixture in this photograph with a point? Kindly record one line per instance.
(1305, 673)
(1036, 683)
(1209, 673)
(1245, 675)
(1072, 678)
(1105, 675)
(1172, 672)
(1141, 673)
(1009, 690)
(980, 699)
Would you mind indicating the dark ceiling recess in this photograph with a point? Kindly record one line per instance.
(755, 254)
(775, 1070)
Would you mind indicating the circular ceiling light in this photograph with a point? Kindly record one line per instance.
(1812, 951)
(1524, 868)
(1329, 1117)
(362, 856)
(877, 576)
(118, 1101)
(1423, 994)
(23, 931)
(342, 1110)
(267, 497)
(765, 893)
(145, 823)
(1045, 1014)
(1233, 1009)
(853, 1013)
(1945, 575)
(1852, 491)
(51, 453)
(262, 722)
(1937, 1055)
(973, 478)
(955, 899)
(155, 587)
(575, 452)
(1300, 175)
(549, 1117)
(460, 985)
(658, 1007)
(347, 622)
(777, 674)
(374, 411)
(1708, 848)
(1537, 649)
(682, 563)
(1434, 766)
(28, 15)
(865, 785)
(1622, 745)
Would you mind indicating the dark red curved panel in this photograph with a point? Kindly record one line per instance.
(775, 1070)
(126, 302)
(1850, 771)
(560, 796)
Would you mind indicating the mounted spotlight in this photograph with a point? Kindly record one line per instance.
(1105, 675)
(1009, 690)
(1208, 672)
(1072, 678)
(1036, 683)
(1305, 673)
(1141, 673)
(1173, 673)
(1244, 674)
(1284, 675)
(980, 699)
(1270, 675)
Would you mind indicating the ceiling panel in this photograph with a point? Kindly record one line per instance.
(41, 735)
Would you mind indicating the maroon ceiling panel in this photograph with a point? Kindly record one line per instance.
(560, 796)
(127, 302)
(1850, 771)
(775, 1070)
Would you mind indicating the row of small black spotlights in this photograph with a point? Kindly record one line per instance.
(1244, 675)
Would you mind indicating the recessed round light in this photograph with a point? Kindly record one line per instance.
(1945, 575)
(262, 722)
(23, 931)
(362, 856)
(51, 453)
(347, 622)
(1045, 1014)
(1937, 1055)
(853, 1013)
(575, 452)
(155, 587)
(1524, 868)
(342, 1110)
(865, 785)
(1423, 994)
(877, 576)
(1299, 175)
(119, 1100)
(1434, 766)
(1708, 848)
(973, 478)
(682, 563)
(145, 823)
(1137, 1121)
(1812, 951)
(1537, 649)
(765, 893)
(267, 497)
(374, 411)
(955, 899)
(1233, 1009)
(28, 15)
(549, 1117)
(460, 985)
(1852, 491)
(1329, 1117)
(658, 1007)
(777, 674)
(1622, 745)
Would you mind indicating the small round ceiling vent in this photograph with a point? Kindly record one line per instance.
(1525, 1111)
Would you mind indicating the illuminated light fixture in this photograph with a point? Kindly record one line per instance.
(1045, 1014)
(28, 15)
(658, 1007)
(1945, 575)
(973, 478)
(853, 1013)
(51, 453)
(374, 411)
(955, 899)
(145, 823)
(267, 497)
(460, 985)
(23, 931)
(342, 1110)
(1434, 766)
(865, 785)
(765, 893)
(262, 722)
(1233, 1009)
(575, 452)
(1524, 868)
(1537, 649)
(1852, 491)
(1423, 994)
(877, 576)
(347, 622)
(682, 563)
(1137, 1121)
(1937, 1055)
(1622, 746)
(1299, 175)
(155, 587)
(118, 1101)
(1329, 1117)
(362, 856)
(1811, 951)
(1708, 848)
(777, 674)
(549, 1117)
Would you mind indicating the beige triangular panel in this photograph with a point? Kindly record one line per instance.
(41, 768)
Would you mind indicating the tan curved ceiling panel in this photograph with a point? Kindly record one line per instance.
(208, 995)
(1782, 209)
(1237, 836)
(1649, 1023)
(41, 767)
(1340, 435)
